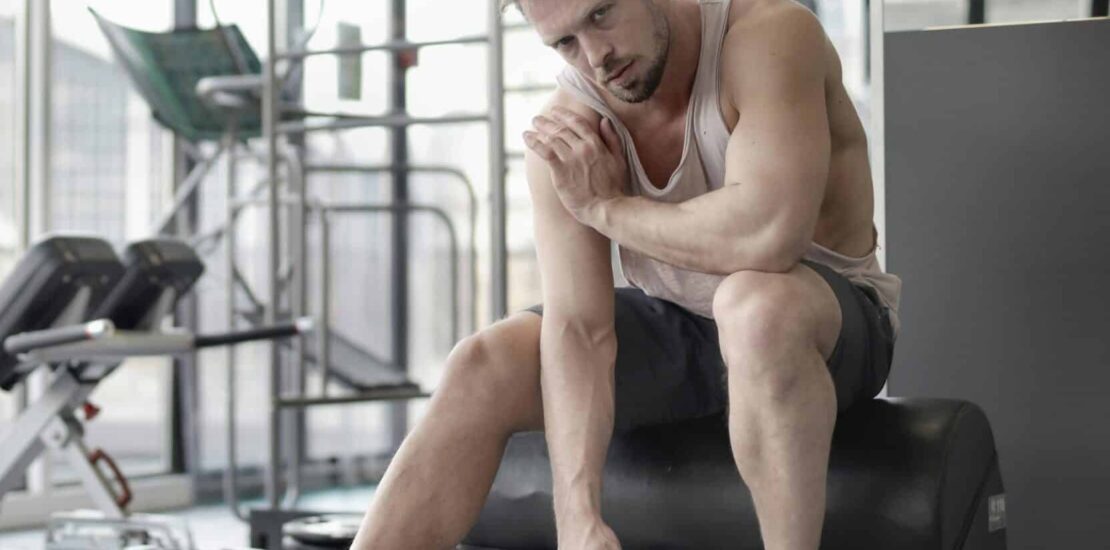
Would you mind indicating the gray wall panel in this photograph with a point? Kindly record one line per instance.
(998, 222)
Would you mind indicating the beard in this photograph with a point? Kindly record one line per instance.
(641, 89)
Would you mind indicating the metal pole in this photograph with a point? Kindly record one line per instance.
(185, 417)
(298, 304)
(498, 253)
(400, 274)
(324, 331)
(269, 130)
(231, 485)
(472, 213)
(976, 12)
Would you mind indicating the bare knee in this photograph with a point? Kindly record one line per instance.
(494, 374)
(764, 327)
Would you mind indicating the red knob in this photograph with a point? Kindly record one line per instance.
(90, 410)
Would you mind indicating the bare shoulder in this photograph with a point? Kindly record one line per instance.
(772, 35)
(567, 100)
(537, 167)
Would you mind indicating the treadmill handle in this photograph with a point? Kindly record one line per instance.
(30, 341)
(282, 330)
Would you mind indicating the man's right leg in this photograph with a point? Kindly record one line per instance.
(437, 483)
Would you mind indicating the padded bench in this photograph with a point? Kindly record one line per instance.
(904, 474)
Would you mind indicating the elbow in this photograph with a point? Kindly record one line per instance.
(784, 256)
(770, 255)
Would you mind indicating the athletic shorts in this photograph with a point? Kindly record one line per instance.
(669, 366)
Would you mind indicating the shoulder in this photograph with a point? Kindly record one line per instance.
(769, 37)
(563, 99)
(566, 100)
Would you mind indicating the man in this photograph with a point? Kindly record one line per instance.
(714, 142)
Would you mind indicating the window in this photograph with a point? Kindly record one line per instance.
(109, 175)
(901, 15)
(9, 192)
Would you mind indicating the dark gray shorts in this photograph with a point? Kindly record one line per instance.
(669, 366)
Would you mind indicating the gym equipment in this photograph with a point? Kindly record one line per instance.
(904, 473)
(318, 532)
(71, 305)
(85, 530)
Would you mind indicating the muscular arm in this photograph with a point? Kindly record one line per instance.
(777, 162)
(577, 347)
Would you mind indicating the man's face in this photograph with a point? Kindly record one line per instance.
(622, 44)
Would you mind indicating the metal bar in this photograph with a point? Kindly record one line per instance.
(399, 156)
(976, 12)
(270, 131)
(516, 27)
(395, 45)
(325, 303)
(298, 305)
(184, 434)
(64, 436)
(22, 443)
(438, 213)
(389, 121)
(385, 394)
(498, 252)
(40, 44)
(231, 274)
(184, 14)
(184, 193)
(294, 24)
(530, 88)
(472, 199)
(22, 151)
(877, 140)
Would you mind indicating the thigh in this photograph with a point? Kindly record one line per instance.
(860, 361)
(668, 366)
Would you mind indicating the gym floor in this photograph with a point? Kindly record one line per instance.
(213, 525)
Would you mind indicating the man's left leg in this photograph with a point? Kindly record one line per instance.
(777, 330)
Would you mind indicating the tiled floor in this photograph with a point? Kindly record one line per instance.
(214, 527)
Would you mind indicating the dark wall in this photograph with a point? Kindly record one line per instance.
(998, 222)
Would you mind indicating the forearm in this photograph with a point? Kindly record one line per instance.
(712, 233)
(577, 386)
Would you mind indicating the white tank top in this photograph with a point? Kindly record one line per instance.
(702, 169)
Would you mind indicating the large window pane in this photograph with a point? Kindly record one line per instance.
(109, 176)
(903, 15)
(9, 213)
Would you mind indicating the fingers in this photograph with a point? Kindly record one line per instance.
(577, 124)
(546, 147)
(610, 137)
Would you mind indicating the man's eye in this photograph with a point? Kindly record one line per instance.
(562, 43)
(600, 14)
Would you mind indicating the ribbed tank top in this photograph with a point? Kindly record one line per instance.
(702, 169)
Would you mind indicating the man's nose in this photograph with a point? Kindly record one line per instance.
(597, 51)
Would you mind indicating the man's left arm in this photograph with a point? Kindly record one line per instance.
(777, 163)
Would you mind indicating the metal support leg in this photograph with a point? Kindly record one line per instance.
(64, 435)
(23, 442)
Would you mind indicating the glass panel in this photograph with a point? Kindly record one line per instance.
(901, 15)
(1015, 11)
(9, 209)
(109, 176)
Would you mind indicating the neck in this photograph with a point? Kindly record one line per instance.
(672, 97)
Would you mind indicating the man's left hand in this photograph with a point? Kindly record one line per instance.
(588, 165)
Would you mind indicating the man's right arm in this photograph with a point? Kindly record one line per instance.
(577, 349)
